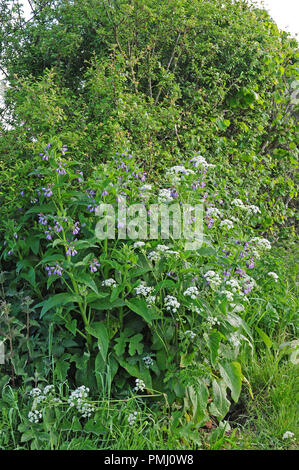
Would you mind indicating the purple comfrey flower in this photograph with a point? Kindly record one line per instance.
(64, 149)
(49, 233)
(247, 289)
(47, 192)
(22, 193)
(94, 265)
(71, 251)
(76, 228)
(226, 273)
(42, 220)
(52, 270)
(105, 193)
(10, 252)
(91, 208)
(241, 272)
(174, 193)
(251, 264)
(90, 192)
(58, 227)
(60, 170)
(80, 180)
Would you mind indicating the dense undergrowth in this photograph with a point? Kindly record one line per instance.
(143, 342)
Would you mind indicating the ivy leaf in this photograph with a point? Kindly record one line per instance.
(134, 345)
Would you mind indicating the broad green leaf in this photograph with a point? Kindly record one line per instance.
(220, 404)
(100, 332)
(139, 306)
(232, 376)
(264, 337)
(57, 301)
(213, 340)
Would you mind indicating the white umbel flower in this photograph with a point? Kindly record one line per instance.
(109, 283)
(171, 303)
(192, 292)
(274, 275)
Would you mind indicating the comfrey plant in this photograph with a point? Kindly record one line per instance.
(147, 311)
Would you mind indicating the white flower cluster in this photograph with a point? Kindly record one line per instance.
(49, 389)
(227, 224)
(258, 245)
(171, 303)
(165, 196)
(190, 334)
(191, 292)
(212, 321)
(274, 275)
(148, 361)
(138, 244)
(35, 392)
(213, 279)
(178, 170)
(234, 285)
(250, 209)
(213, 212)
(228, 294)
(199, 160)
(109, 283)
(78, 398)
(288, 435)
(139, 385)
(132, 418)
(153, 256)
(162, 248)
(146, 187)
(35, 416)
(143, 290)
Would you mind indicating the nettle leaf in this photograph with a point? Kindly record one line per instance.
(139, 306)
(71, 325)
(135, 345)
(232, 376)
(87, 280)
(61, 368)
(57, 301)
(99, 331)
(220, 405)
(29, 276)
